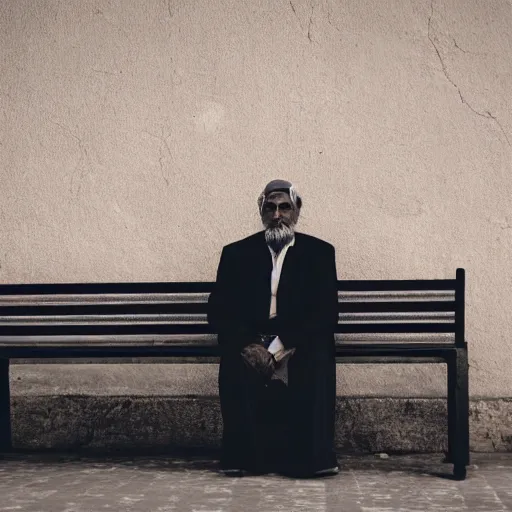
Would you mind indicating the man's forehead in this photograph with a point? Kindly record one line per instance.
(278, 196)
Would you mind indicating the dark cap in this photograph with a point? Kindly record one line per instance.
(282, 186)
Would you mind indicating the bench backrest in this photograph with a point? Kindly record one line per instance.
(371, 311)
(390, 311)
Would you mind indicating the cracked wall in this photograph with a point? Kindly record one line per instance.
(135, 138)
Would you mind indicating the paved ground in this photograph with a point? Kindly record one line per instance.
(73, 483)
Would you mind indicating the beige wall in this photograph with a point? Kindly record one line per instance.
(135, 137)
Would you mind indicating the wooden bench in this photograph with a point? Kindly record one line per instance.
(381, 321)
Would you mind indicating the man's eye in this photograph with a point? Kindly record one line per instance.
(271, 207)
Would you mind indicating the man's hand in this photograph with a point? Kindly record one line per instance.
(280, 353)
(282, 356)
(260, 360)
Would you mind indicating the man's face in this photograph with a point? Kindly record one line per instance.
(278, 211)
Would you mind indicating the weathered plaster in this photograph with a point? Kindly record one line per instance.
(135, 138)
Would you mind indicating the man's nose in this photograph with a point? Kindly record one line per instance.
(277, 214)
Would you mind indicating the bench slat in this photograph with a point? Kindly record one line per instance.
(203, 350)
(105, 309)
(102, 299)
(102, 288)
(199, 319)
(402, 306)
(87, 329)
(398, 284)
(200, 308)
(201, 286)
(153, 339)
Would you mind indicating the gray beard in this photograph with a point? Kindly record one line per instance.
(278, 237)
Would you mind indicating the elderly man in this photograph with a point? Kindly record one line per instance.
(275, 309)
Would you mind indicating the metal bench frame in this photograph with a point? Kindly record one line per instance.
(131, 320)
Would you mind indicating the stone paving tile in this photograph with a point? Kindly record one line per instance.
(412, 483)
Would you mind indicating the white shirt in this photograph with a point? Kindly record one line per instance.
(277, 261)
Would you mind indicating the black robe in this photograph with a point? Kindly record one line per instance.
(307, 314)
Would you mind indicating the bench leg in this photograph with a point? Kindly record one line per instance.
(458, 416)
(5, 407)
(451, 384)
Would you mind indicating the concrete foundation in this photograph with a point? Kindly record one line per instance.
(163, 423)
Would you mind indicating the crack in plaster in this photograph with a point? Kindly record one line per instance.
(295, 13)
(163, 140)
(466, 51)
(329, 13)
(83, 156)
(486, 114)
(310, 23)
(457, 46)
(293, 8)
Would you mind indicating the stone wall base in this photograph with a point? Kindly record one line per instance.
(166, 423)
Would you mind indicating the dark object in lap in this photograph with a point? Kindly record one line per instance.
(260, 363)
